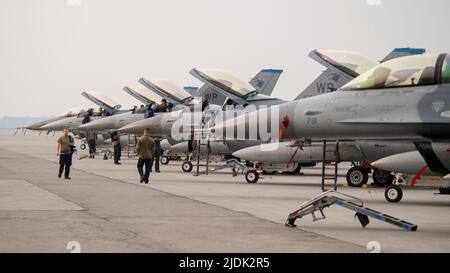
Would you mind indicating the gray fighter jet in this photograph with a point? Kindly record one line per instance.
(110, 107)
(405, 98)
(212, 92)
(69, 113)
(160, 89)
(146, 96)
(342, 66)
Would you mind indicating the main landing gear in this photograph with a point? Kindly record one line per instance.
(358, 176)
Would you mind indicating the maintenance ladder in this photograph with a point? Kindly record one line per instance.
(131, 145)
(330, 198)
(208, 151)
(334, 164)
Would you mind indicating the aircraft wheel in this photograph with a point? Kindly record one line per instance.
(297, 170)
(357, 177)
(164, 160)
(252, 176)
(393, 194)
(187, 167)
(382, 178)
(83, 147)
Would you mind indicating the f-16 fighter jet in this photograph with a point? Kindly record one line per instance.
(405, 98)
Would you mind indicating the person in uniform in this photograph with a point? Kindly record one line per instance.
(145, 149)
(64, 149)
(99, 113)
(149, 112)
(115, 139)
(162, 107)
(157, 153)
(91, 138)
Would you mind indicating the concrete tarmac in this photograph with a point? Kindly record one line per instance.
(105, 208)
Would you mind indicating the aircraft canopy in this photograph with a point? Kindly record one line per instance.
(143, 94)
(446, 70)
(227, 81)
(349, 62)
(415, 70)
(101, 100)
(168, 88)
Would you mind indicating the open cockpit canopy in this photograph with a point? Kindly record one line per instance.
(102, 100)
(351, 63)
(143, 94)
(226, 81)
(167, 89)
(418, 70)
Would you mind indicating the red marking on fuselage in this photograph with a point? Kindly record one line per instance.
(417, 176)
(285, 121)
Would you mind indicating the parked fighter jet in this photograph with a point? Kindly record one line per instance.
(70, 113)
(110, 107)
(212, 91)
(342, 66)
(146, 96)
(405, 98)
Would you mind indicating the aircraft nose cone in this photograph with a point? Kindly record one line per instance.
(132, 128)
(101, 124)
(180, 147)
(35, 125)
(47, 127)
(263, 124)
(251, 153)
(385, 163)
(242, 154)
(32, 127)
(407, 163)
(154, 124)
(86, 126)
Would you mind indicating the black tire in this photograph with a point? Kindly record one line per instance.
(393, 194)
(357, 177)
(83, 147)
(164, 160)
(382, 178)
(297, 170)
(252, 176)
(187, 166)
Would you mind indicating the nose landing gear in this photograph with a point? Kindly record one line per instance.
(394, 192)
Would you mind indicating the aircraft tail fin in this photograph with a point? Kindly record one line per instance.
(191, 90)
(401, 52)
(327, 82)
(264, 82)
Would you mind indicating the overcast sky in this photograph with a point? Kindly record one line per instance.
(52, 50)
